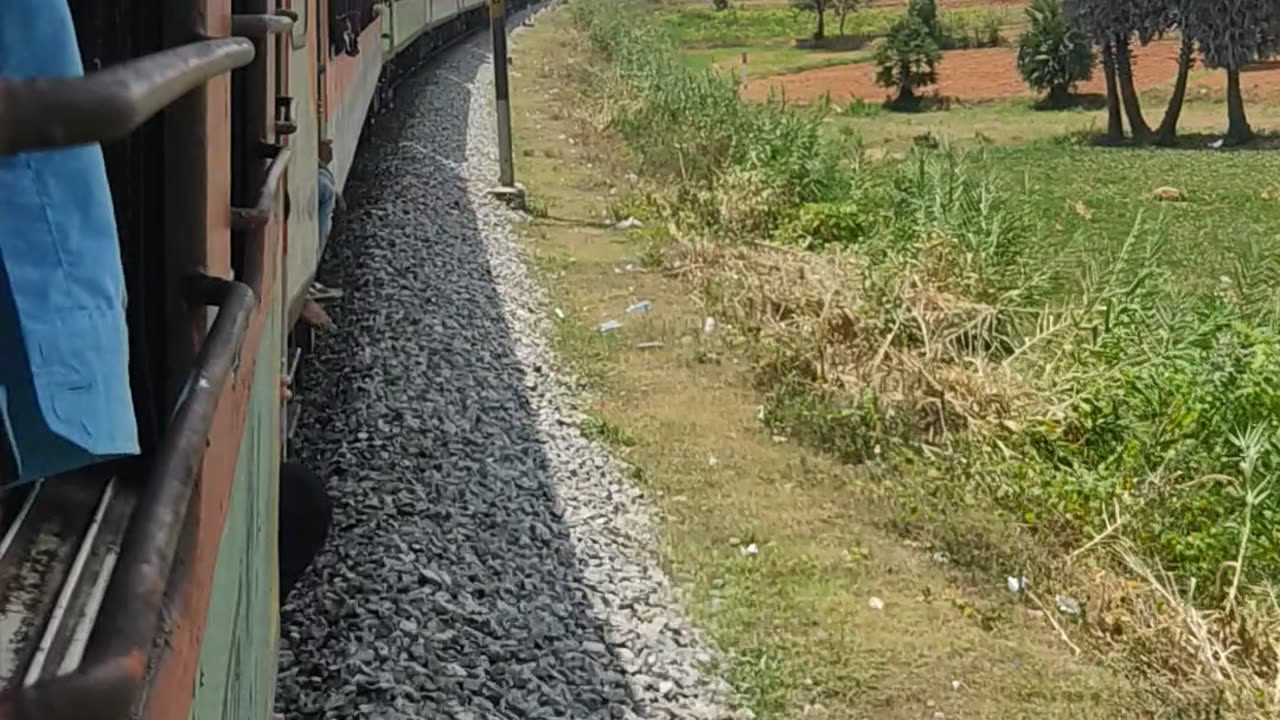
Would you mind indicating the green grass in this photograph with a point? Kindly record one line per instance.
(1019, 335)
(704, 27)
(1002, 123)
(1227, 218)
(765, 60)
(768, 34)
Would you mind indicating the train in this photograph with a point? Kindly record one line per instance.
(146, 587)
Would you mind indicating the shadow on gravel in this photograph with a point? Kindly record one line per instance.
(450, 586)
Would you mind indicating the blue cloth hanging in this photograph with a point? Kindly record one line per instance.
(64, 351)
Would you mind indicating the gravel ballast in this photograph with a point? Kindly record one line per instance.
(486, 560)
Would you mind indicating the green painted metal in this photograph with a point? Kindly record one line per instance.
(236, 677)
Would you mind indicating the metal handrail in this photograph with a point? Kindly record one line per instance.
(252, 218)
(45, 113)
(111, 677)
(262, 25)
(249, 225)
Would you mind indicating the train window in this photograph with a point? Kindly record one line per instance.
(347, 19)
(303, 8)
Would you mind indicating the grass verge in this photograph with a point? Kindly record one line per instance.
(796, 618)
(1007, 396)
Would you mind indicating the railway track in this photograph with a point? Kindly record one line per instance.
(486, 560)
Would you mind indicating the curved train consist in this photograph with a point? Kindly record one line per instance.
(147, 587)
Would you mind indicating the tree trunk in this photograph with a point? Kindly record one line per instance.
(1059, 96)
(1115, 123)
(906, 86)
(1128, 95)
(1168, 132)
(843, 15)
(822, 23)
(1238, 130)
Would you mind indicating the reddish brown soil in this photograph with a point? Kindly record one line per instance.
(992, 74)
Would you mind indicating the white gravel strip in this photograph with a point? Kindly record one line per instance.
(487, 561)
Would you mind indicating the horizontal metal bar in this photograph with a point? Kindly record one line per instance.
(54, 625)
(255, 217)
(111, 678)
(58, 112)
(260, 26)
(286, 115)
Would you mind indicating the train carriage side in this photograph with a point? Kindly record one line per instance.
(222, 648)
(358, 50)
(160, 598)
(307, 52)
(334, 67)
(353, 38)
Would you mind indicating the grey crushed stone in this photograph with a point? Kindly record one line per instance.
(486, 561)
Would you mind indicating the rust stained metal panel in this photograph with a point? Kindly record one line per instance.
(350, 83)
(171, 693)
(238, 655)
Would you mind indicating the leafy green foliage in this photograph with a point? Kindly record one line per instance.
(1052, 55)
(953, 30)
(1174, 422)
(1231, 33)
(691, 125)
(819, 9)
(926, 11)
(1060, 389)
(743, 27)
(908, 58)
(965, 32)
(816, 225)
(844, 9)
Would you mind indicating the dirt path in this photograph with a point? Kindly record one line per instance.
(992, 74)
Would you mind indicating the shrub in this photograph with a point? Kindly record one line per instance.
(926, 11)
(965, 32)
(1052, 55)
(816, 225)
(720, 5)
(692, 126)
(908, 58)
(861, 108)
